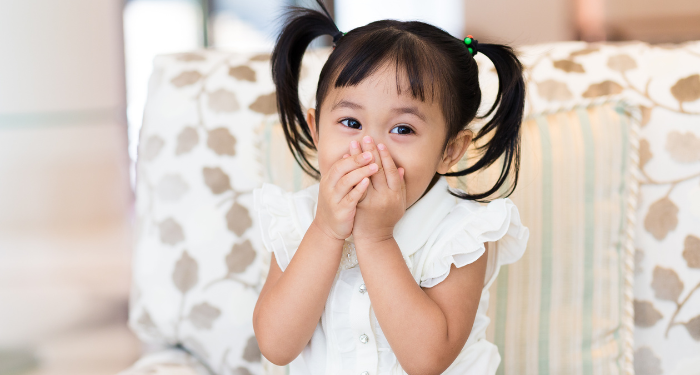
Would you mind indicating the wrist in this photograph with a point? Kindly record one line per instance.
(326, 232)
(373, 240)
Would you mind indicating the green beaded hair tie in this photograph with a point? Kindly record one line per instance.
(471, 44)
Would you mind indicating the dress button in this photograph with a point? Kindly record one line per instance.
(364, 338)
(363, 289)
(364, 373)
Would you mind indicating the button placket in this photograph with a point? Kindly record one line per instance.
(366, 349)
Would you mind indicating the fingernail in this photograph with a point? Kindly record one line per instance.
(373, 167)
(381, 146)
(367, 139)
(367, 155)
(354, 144)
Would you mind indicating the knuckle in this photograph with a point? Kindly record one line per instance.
(350, 197)
(342, 184)
(335, 170)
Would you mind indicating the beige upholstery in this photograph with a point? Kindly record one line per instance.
(210, 124)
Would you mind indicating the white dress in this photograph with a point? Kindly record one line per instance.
(434, 233)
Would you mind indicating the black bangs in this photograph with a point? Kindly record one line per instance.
(386, 44)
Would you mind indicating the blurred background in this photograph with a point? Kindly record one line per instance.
(73, 81)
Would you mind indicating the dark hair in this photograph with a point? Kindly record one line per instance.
(438, 66)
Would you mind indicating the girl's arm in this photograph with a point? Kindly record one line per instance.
(291, 302)
(426, 328)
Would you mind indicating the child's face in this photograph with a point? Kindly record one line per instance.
(412, 130)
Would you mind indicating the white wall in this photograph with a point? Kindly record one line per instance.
(151, 28)
(64, 186)
(63, 159)
(446, 14)
(503, 21)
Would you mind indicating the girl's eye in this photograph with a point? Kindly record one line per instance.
(351, 123)
(401, 129)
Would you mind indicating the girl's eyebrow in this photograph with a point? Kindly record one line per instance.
(347, 104)
(398, 110)
(410, 110)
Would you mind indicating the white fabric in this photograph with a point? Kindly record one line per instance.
(170, 361)
(434, 233)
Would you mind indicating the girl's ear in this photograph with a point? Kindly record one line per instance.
(455, 150)
(311, 120)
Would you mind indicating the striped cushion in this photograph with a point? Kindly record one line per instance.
(565, 307)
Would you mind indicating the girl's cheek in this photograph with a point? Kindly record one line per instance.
(326, 158)
(404, 161)
(323, 164)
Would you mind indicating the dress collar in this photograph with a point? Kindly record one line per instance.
(413, 229)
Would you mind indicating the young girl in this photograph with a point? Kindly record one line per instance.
(381, 268)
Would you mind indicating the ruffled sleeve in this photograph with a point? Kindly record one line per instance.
(284, 217)
(460, 238)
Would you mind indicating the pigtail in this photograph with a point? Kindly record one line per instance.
(300, 29)
(509, 106)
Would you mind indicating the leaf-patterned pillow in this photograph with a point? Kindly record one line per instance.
(197, 273)
(197, 265)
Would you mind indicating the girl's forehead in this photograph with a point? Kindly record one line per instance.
(384, 84)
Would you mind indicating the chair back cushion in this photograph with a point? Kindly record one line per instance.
(664, 80)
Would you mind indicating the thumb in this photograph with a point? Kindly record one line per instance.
(364, 194)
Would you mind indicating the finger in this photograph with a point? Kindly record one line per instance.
(393, 178)
(401, 171)
(341, 167)
(355, 148)
(346, 156)
(378, 179)
(357, 192)
(350, 180)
